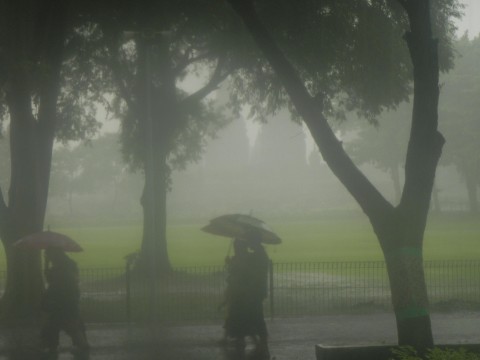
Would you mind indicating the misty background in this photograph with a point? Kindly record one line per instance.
(269, 169)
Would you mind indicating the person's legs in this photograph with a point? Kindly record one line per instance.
(75, 328)
(49, 338)
(261, 348)
(240, 345)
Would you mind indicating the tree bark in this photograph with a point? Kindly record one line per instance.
(399, 230)
(158, 123)
(36, 36)
(154, 257)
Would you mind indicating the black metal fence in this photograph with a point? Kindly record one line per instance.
(296, 289)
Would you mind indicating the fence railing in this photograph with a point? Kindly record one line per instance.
(295, 289)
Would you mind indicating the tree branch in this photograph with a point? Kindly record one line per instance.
(116, 68)
(426, 142)
(217, 77)
(188, 59)
(368, 197)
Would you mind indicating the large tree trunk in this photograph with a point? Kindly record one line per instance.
(424, 151)
(24, 281)
(401, 240)
(399, 230)
(36, 36)
(159, 120)
(154, 257)
(26, 208)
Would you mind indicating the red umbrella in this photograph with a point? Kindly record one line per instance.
(47, 239)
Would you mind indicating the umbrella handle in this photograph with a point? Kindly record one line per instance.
(46, 264)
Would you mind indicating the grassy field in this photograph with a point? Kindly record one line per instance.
(329, 239)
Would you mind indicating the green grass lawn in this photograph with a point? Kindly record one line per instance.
(329, 239)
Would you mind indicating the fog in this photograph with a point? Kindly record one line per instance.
(269, 170)
(276, 174)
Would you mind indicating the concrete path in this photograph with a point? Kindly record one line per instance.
(290, 339)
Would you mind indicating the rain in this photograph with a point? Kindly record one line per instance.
(239, 180)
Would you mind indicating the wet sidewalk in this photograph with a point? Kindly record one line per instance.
(290, 338)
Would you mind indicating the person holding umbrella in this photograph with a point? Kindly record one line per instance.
(61, 304)
(246, 289)
(61, 299)
(247, 273)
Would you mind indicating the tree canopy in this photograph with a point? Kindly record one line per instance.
(350, 54)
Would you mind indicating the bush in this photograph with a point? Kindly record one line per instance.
(408, 353)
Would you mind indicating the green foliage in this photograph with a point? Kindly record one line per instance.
(350, 53)
(81, 82)
(408, 353)
(179, 40)
(83, 85)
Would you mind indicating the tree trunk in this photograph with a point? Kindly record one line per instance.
(36, 36)
(24, 279)
(154, 257)
(401, 240)
(399, 230)
(158, 120)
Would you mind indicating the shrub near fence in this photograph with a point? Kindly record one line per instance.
(296, 289)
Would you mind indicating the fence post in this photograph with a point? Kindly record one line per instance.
(271, 295)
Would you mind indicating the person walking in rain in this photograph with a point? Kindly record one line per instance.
(246, 289)
(61, 304)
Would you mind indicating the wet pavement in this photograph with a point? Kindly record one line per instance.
(290, 338)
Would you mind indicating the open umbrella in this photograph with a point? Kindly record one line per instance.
(47, 239)
(239, 226)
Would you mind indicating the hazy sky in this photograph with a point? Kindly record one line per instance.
(471, 19)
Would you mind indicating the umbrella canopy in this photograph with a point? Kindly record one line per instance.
(239, 226)
(48, 239)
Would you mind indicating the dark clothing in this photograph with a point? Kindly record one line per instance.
(73, 327)
(245, 318)
(246, 290)
(61, 303)
(62, 297)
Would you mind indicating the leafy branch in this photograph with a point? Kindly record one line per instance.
(217, 77)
